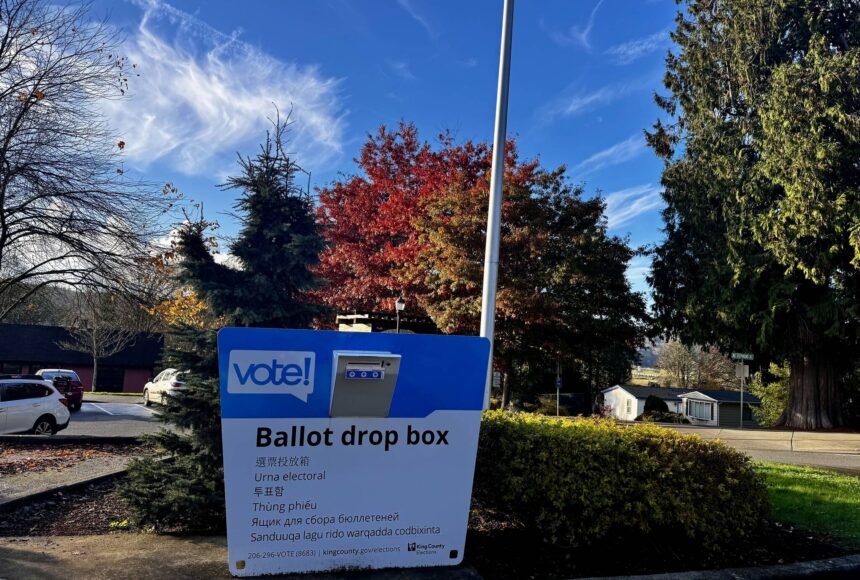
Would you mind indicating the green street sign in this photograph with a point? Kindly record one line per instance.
(742, 356)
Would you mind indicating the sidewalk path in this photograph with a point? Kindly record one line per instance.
(20, 485)
(131, 400)
(152, 557)
(839, 451)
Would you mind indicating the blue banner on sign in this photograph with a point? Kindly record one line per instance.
(276, 373)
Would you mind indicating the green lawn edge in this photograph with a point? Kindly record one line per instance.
(819, 500)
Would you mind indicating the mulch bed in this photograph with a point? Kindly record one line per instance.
(82, 511)
(496, 547)
(33, 457)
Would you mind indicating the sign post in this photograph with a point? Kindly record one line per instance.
(348, 450)
(557, 386)
(742, 371)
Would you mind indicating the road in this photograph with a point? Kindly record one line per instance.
(112, 420)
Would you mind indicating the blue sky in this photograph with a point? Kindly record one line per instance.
(582, 78)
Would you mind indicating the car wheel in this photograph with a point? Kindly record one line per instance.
(44, 426)
(146, 400)
(76, 406)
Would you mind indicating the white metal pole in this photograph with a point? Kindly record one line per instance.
(494, 215)
(743, 380)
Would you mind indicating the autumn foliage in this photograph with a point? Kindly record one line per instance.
(412, 223)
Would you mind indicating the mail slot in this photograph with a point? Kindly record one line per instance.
(363, 383)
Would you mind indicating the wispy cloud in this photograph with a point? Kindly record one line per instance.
(578, 34)
(637, 272)
(632, 50)
(625, 205)
(401, 69)
(409, 7)
(202, 95)
(571, 103)
(619, 153)
(470, 62)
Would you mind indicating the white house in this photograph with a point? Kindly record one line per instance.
(626, 402)
(719, 408)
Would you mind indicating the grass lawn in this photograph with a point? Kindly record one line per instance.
(815, 499)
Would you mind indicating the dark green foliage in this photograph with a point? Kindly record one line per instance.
(771, 388)
(763, 192)
(655, 403)
(276, 247)
(187, 491)
(662, 417)
(582, 482)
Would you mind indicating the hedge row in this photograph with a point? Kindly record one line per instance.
(578, 482)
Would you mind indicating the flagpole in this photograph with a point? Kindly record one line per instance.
(494, 215)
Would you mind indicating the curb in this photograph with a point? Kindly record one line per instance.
(11, 504)
(18, 501)
(41, 439)
(844, 567)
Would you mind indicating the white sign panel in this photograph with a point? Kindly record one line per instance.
(309, 491)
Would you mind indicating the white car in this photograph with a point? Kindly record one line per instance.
(29, 404)
(168, 382)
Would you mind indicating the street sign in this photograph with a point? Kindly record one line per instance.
(558, 383)
(348, 450)
(497, 380)
(742, 370)
(742, 356)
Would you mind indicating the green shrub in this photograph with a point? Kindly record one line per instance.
(579, 482)
(772, 393)
(655, 403)
(662, 417)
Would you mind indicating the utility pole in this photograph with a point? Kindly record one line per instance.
(494, 215)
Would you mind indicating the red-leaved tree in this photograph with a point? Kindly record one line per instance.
(413, 222)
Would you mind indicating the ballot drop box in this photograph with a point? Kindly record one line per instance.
(348, 450)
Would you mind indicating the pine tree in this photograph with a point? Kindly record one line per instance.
(278, 244)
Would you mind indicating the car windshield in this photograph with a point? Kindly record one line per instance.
(51, 375)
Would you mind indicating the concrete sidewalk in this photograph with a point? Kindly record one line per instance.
(128, 399)
(774, 440)
(23, 486)
(153, 557)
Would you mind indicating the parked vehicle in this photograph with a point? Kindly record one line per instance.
(29, 404)
(68, 383)
(167, 383)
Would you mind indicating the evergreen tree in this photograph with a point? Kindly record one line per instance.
(278, 244)
(762, 247)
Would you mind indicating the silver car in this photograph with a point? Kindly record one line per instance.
(29, 404)
(167, 383)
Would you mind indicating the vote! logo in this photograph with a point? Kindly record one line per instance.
(271, 372)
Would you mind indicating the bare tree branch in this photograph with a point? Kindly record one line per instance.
(68, 214)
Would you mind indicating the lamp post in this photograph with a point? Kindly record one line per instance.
(399, 306)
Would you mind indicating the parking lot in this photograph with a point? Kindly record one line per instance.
(112, 419)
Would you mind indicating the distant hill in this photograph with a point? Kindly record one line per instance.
(648, 355)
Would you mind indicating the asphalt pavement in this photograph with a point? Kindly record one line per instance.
(112, 420)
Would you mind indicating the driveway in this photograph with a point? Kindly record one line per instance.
(112, 420)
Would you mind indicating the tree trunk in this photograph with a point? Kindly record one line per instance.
(95, 373)
(506, 391)
(813, 398)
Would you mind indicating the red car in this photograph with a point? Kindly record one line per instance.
(68, 383)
